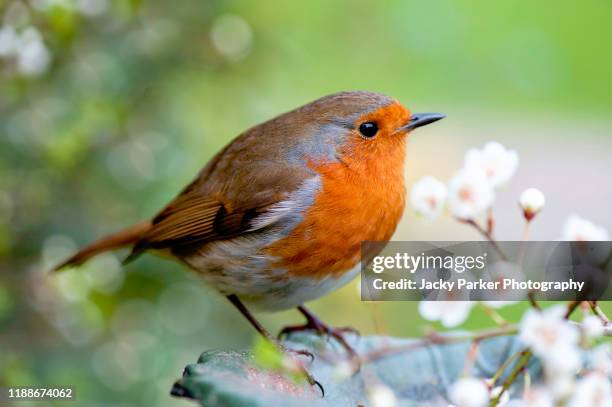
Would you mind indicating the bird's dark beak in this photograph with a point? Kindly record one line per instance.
(421, 119)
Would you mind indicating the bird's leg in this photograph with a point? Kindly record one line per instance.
(315, 324)
(247, 314)
(264, 332)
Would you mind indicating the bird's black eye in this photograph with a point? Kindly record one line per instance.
(368, 129)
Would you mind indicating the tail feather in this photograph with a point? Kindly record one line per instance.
(115, 241)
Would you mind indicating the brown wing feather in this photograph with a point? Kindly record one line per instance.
(187, 219)
(193, 220)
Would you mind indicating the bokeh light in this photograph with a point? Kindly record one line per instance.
(108, 108)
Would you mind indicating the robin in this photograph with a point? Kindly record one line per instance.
(276, 218)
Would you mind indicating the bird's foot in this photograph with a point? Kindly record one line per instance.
(315, 324)
(297, 352)
(292, 353)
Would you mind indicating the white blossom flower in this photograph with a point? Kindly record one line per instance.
(380, 395)
(9, 41)
(578, 229)
(449, 313)
(538, 397)
(560, 386)
(33, 58)
(594, 390)
(496, 162)
(552, 338)
(535, 397)
(600, 359)
(469, 392)
(592, 326)
(428, 196)
(531, 201)
(555, 341)
(561, 362)
(469, 194)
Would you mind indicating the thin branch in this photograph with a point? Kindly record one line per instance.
(494, 315)
(504, 366)
(522, 363)
(436, 339)
(471, 357)
(486, 234)
(599, 312)
(571, 306)
(521, 256)
(524, 239)
(532, 300)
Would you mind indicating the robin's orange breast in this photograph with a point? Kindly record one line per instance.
(361, 199)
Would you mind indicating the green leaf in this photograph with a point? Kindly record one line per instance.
(420, 377)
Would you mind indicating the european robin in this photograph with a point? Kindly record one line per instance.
(277, 217)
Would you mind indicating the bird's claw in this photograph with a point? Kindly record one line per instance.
(319, 385)
(302, 352)
(322, 329)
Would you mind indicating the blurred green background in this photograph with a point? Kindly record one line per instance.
(107, 108)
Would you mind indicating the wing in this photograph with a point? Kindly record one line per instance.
(191, 220)
(237, 187)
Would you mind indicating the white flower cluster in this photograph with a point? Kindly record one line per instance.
(22, 47)
(578, 229)
(568, 380)
(471, 190)
(449, 313)
(25, 49)
(575, 373)
(556, 342)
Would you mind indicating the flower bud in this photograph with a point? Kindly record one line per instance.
(531, 202)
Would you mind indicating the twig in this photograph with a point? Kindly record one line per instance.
(525, 356)
(571, 306)
(525, 237)
(436, 339)
(532, 300)
(521, 256)
(503, 367)
(599, 312)
(486, 234)
(494, 315)
(526, 231)
(471, 357)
